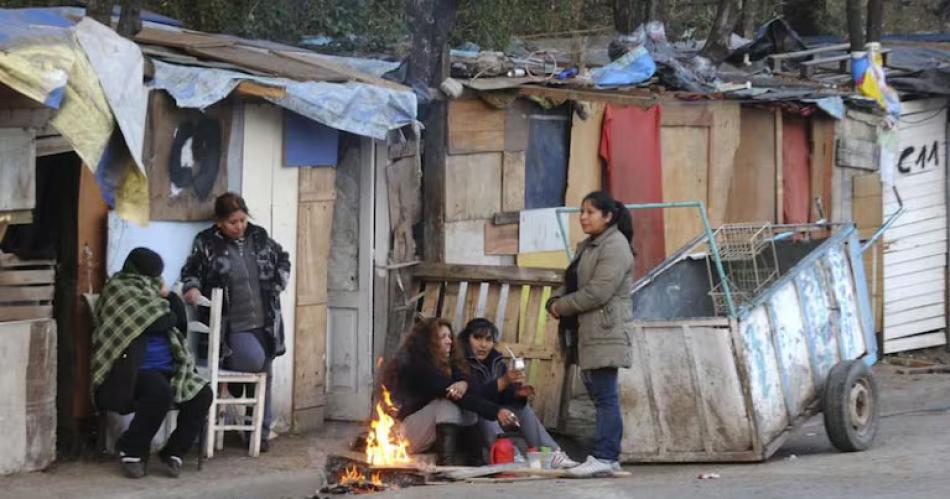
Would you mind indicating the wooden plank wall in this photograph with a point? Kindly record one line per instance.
(868, 216)
(484, 175)
(17, 169)
(314, 222)
(915, 255)
(513, 298)
(752, 195)
(699, 144)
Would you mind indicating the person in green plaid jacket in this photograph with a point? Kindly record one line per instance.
(141, 364)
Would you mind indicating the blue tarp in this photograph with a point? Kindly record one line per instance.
(357, 108)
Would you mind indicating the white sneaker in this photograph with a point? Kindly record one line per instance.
(561, 461)
(593, 467)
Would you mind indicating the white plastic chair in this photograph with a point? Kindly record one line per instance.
(218, 378)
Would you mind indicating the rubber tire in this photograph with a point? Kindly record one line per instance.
(842, 428)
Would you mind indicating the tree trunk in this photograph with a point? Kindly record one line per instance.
(100, 10)
(717, 43)
(431, 22)
(855, 26)
(625, 15)
(130, 21)
(875, 20)
(805, 15)
(749, 17)
(654, 10)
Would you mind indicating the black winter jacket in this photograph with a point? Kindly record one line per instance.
(419, 382)
(484, 379)
(207, 267)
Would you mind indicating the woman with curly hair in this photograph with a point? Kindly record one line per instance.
(427, 378)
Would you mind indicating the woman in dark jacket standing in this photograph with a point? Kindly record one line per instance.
(253, 270)
(594, 305)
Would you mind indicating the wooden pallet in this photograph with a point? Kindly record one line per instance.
(26, 288)
(513, 298)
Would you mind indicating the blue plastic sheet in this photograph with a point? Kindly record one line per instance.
(358, 108)
(632, 68)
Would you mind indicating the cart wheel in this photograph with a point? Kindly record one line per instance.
(850, 406)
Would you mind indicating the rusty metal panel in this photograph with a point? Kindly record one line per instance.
(765, 383)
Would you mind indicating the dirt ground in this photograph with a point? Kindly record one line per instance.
(909, 460)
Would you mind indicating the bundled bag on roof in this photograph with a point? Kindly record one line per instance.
(867, 70)
(692, 73)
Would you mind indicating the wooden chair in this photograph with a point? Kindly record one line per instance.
(218, 378)
(513, 298)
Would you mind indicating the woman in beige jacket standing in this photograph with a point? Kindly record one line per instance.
(595, 310)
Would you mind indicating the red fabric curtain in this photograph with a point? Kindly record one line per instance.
(630, 147)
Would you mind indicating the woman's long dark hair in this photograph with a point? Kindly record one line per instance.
(423, 344)
(608, 205)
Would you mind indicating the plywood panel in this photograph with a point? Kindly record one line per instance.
(310, 357)
(475, 127)
(317, 184)
(724, 136)
(685, 160)
(752, 196)
(465, 244)
(584, 170)
(472, 186)
(501, 239)
(313, 246)
(17, 169)
(512, 181)
(543, 260)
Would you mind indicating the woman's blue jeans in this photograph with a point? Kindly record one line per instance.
(604, 391)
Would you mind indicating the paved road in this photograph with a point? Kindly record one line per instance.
(911, 459)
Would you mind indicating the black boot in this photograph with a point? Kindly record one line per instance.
(446, 444)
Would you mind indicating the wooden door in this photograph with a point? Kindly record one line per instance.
(350, 288)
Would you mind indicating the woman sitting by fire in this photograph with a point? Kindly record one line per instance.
(491, 379)
(428, 382)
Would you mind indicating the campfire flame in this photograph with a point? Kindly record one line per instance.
(384, 445)
(352, 476)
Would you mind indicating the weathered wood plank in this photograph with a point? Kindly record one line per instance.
(17, 169)
(21, 277)
(501, 239)
(915, 342)
(26, 293)
(509, 328)
(512, 181)
(473, 186)
(430, 302)
(22, 313)
(475, 127)
(479, 273)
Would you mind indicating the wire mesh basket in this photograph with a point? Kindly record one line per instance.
(740, 242)
(747, 252)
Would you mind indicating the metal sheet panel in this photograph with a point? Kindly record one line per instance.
(821, 336)
(683, 399)
(850, 332)
(765, 383)
(792, 348)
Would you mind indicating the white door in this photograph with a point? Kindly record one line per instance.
(350, 288)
